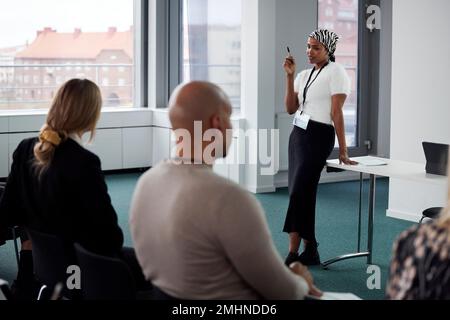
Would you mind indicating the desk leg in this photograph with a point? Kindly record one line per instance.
(360, 254)
(371, 217)
(360, 210)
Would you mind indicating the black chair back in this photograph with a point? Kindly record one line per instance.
(50, 261)
(104, 278)
(12, 233)
(158, 294)
(5, 293)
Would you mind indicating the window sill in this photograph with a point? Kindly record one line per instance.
(38, 112)
(21, 121)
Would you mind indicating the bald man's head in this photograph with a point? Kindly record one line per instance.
(197, 101)
(201, 106)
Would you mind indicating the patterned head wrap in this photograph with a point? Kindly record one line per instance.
(329, 39)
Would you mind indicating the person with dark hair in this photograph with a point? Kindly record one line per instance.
(56, 186)
(316, 97)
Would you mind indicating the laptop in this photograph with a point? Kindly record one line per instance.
(437, 158)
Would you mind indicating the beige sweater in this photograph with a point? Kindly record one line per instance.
(200, 236)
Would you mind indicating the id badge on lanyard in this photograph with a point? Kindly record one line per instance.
(301, 120)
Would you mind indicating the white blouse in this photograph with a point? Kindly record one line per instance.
(331, 81)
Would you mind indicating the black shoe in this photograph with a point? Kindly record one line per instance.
(310, 257)
(291, 258)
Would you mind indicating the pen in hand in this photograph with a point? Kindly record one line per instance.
(290, 57)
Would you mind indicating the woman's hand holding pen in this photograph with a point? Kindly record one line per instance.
(289, 65)
(291, 99)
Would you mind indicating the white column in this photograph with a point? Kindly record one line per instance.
(258, 82)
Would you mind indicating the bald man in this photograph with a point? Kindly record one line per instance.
(200, 116)
(197, 235)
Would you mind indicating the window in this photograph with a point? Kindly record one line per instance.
(357, 51)
(210, 48)
(347, 55)
(329, 12)
(27, 50)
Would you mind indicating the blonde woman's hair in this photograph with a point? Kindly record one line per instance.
(75, 109)
(444, 220)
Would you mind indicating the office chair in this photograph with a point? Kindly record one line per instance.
(160, 295)
(437, 162)
(50, 262)
(14, 231)
(104, 278)
(5, 293)
(431, 213)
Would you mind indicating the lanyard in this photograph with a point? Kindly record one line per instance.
(308, 84)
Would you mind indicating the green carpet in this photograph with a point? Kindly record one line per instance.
(336, 232)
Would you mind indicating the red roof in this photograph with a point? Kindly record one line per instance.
(50, 44)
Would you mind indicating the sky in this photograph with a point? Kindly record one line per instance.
(21, 19)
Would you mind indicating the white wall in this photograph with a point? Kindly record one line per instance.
(295, 20)
(420, 95)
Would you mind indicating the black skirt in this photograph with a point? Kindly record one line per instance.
(308, 152)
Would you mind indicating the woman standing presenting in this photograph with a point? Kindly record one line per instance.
(316, 97)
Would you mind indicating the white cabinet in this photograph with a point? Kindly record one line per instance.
(161, 145)
(4, 124)
(14, 140)
(4, 160)
(26, 123)
(137, 147)
(108, 146)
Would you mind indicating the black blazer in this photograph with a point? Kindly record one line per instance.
(70, 199)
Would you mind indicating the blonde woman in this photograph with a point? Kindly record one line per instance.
(420, 268)
(56, 186)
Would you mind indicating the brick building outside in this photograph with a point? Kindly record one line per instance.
(53, 58)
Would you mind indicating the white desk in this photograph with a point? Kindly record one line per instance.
(393, 169)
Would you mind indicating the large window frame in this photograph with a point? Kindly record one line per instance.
(140, 76)
(367, 86)
(141, 53)
(174, 46)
